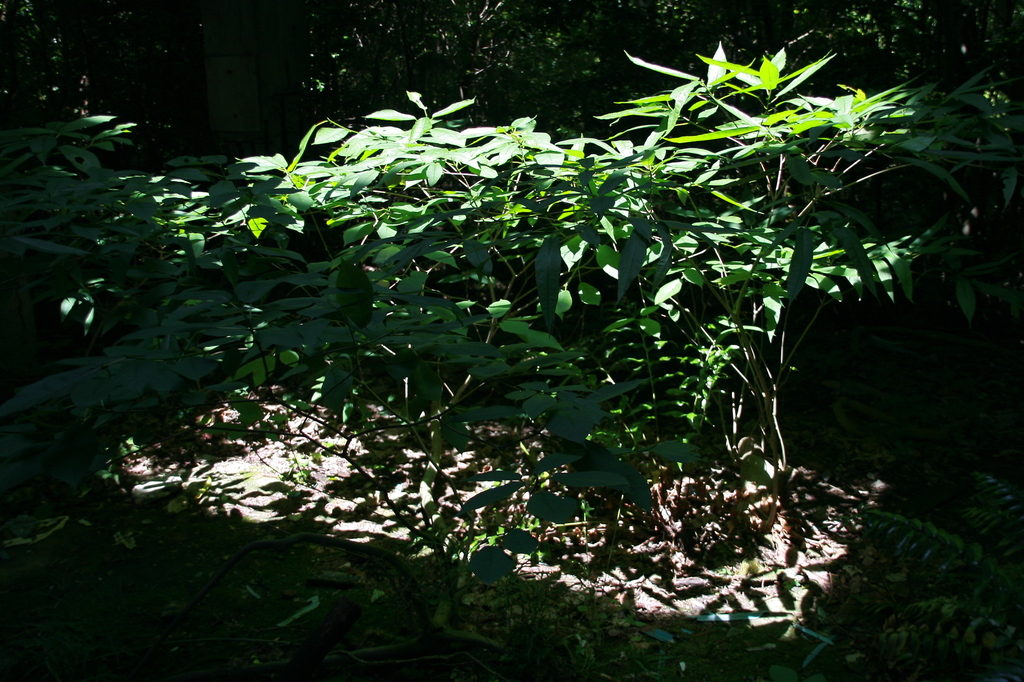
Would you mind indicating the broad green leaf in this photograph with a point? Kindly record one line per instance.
(52, 387)
(589, 294)
(779, 60)
(572, 422)
(434, 172)
(416, 98)
(667, 291)
(518, 541)
(1009, 185)
(301, 201)
(675, 451)
(85, 122)
(885, 277)
(938, 172)
(769, 74)
(855, 250)
(608, 391)
(499, 308)
(425, 383)
(715, 71)
(455, 433)
(329, 135)
(548, 267)
(799, 169)
(649, 326)
(901, 266)
(249, 412)
(335, 388)
(257, 226)
(412, 283)
(608, 259)
(965, 297)
(732, 201)
(535, 338)
(632, 259)
(71, 455)
(452, 108)
(553, 461)
(490, 564)
(258, 368)
(356, 297)
(723, 67)
(665, 254)
(421, 126)
(390, 115)
(564, 302)
(478, 255)
(800, 266)
(550, 507)
(779, 673)
(636, 487)
(490, 496)
(716, 135)
(41, 245)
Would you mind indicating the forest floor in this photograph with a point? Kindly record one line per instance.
(877, 418)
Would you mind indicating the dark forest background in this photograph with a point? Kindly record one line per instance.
(251, 76)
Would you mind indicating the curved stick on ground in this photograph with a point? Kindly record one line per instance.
(411, 587)
(311, 653)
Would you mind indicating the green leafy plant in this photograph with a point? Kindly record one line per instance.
(439, 277)
(971, 626)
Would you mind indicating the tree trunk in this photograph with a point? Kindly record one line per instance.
(257, 54)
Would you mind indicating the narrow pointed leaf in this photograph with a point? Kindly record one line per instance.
(548, 266)
(966, 297)
(452, 108)
(855, 250)
(490, 496)
(660, 69)
(800, 266)
(634, 254)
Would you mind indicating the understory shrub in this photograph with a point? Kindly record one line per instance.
(451, 276)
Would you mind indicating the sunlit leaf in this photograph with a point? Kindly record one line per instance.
(390, 115)
(660, 69)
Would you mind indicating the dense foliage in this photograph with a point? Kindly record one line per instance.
(450, 276)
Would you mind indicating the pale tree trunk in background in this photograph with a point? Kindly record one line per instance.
(257, 55)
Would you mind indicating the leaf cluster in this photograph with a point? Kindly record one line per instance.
(436, 272)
